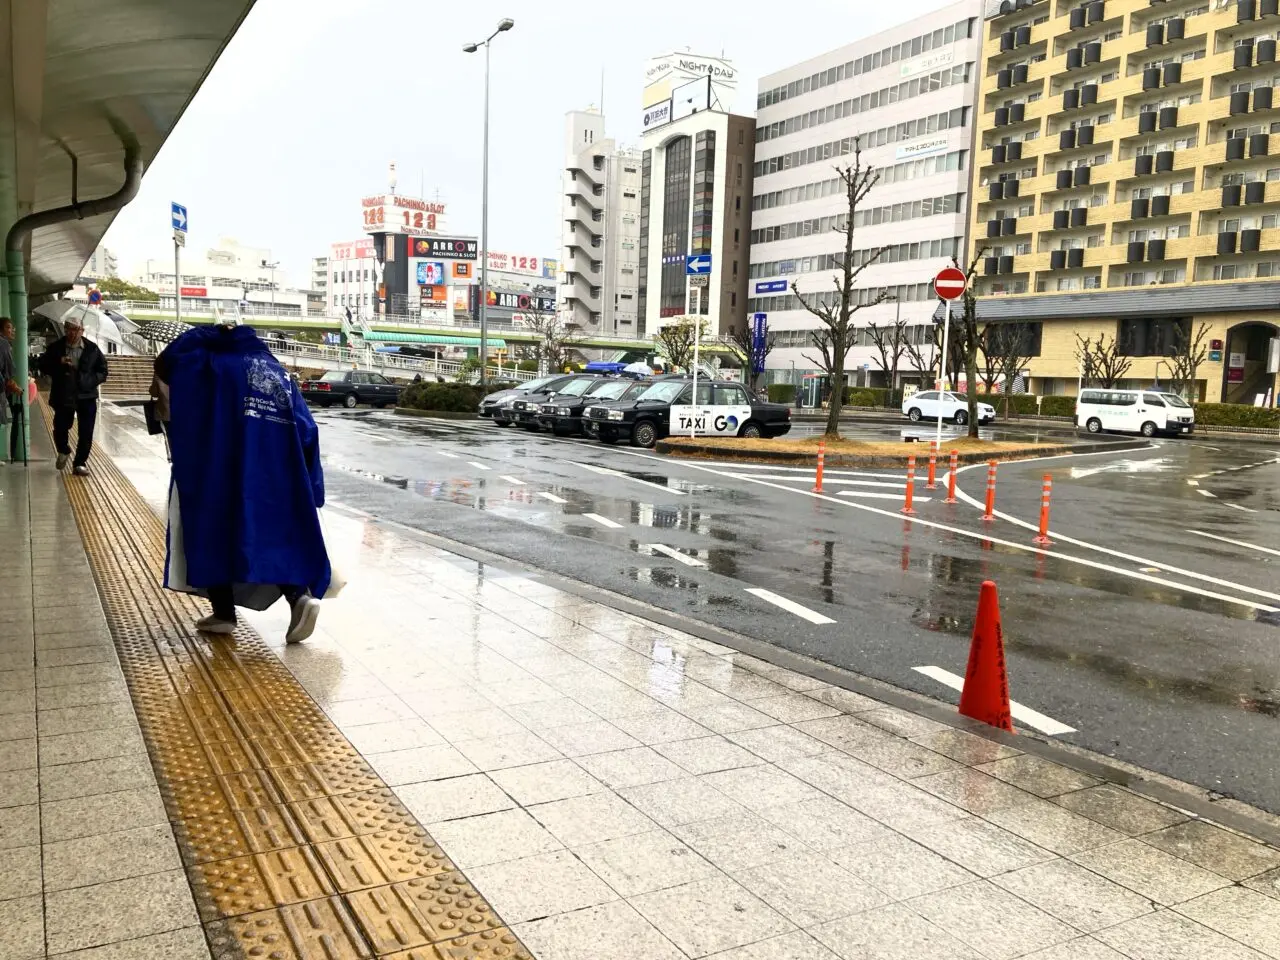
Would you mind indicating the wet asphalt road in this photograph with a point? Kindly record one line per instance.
(1152, 626)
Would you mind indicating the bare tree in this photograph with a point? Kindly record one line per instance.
(923, 359)
(742, 343)
(1188, 352)
(556, 336)
(676, 341)
(834, 338)
(1005, 351)
(1102, 360)
(967, 338)
(890, 342)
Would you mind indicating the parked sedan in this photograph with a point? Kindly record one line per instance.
(562, 412)
(724, 410)
(351, 387)
(616, 393)
(926, 405)
(497, 406)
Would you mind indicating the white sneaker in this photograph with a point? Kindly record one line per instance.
(302, 619)
(81, 471)
(212, 624)
(61, 462)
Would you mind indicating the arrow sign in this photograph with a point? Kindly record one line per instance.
(697, 264)
(949, 284)
(178, 215)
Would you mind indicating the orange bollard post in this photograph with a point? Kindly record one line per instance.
(990, 513)
(911, 486)
(932, 483)
(822, 455)
(951, 478)
(1045, 491)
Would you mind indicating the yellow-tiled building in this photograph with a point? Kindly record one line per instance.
(1127, 182)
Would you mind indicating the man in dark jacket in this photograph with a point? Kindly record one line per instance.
(76, 368)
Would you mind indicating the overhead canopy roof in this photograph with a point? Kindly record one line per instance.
(80, 78)
(1151, 301)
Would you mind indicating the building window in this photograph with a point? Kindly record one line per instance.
(733, 299)
(737, 202)
(631, 196)
(737, 235)
(1152, 336)
(675, 224)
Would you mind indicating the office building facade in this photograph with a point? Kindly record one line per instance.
(1127, 188)
(601, 229)
(695, 196)
(907, 95)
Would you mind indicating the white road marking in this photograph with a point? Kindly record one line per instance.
(1236, 506)
(515, 481)
(1238, 543)
(867, 495)
(780, 468)
(1193, 483)
(1243, 466)
(606, 471)
(1207, 493)
(675, 554)
(603, 521)
(478, 466)
(970, 534)
(835, 481)
(804, 613)
(451, 456)
(552, 497)
(1023, 714)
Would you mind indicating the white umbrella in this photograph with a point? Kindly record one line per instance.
(640, 367)
(98, 327)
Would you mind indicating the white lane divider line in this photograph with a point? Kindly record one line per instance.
(1022, 713)
(1236, 506)
(478, 466)
(804, 613)
(451, 456)
(515, 481)
(603, 521)
(1193, 483)
(877, 496)
(1237, 543)
(1207, 493)
(828, 479)
(606, 471)
(552, 497)
(675, 554)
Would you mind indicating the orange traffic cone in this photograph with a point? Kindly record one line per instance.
(985, 695)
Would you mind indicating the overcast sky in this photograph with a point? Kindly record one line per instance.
(313, 98)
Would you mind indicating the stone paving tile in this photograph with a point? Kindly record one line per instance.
(739, 841)
(109, 856)
(101, 813)
(708, 754)
(116, 911)
(978, 846)
(20, 872)
(892, 932)
(778, 742)
(19, 826)
(630, 768)
(22, 928)
(991, 920)
(1120, 810)
(1053, 828)
(674, 803)
(590, 819)
(1243, 915)
(825, 824)
(1165, 935)
(789, 946)
(1225, 853)
(1268, 883)
(493, 838)
(452, 799)
(1075, 895)
(644, 862)
(544, 782)
(188, 943)
(809, 889)
(614, 930)
(1036, 775)
(709, 916)
(900, 867)
(1083, 948)
(1150, 872)
(540, 886)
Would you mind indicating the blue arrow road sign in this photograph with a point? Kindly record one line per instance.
(696, 264)
(178, 214)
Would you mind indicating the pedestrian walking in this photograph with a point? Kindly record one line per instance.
(10, 392)
(75, 368)
(247, 482)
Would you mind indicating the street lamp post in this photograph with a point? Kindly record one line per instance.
(505, 24)
(272, 267)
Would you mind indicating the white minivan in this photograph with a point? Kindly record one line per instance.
(1148, 412)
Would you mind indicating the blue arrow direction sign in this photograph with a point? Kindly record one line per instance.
(697, 264)
(178, 214)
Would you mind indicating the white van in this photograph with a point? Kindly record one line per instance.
(1148, 412)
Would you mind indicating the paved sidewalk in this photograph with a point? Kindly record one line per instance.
(619, 790)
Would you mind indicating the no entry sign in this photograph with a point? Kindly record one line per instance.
(949, 283)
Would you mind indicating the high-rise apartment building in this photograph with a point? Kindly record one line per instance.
(1123, 180)
(695, 196)
(101, 265)
(601, 218)
(907, 96)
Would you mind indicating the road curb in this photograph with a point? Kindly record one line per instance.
(723, 451)
(441, 414)
(1252, 822)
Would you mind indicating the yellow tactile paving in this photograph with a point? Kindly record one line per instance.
(294, 846)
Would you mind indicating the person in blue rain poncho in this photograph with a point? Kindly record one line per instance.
(247, 482)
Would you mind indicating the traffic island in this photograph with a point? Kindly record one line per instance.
(857, 453)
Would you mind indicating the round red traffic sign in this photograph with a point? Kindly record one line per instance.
(949, 284)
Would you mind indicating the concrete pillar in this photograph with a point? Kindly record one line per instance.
(17, 301)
